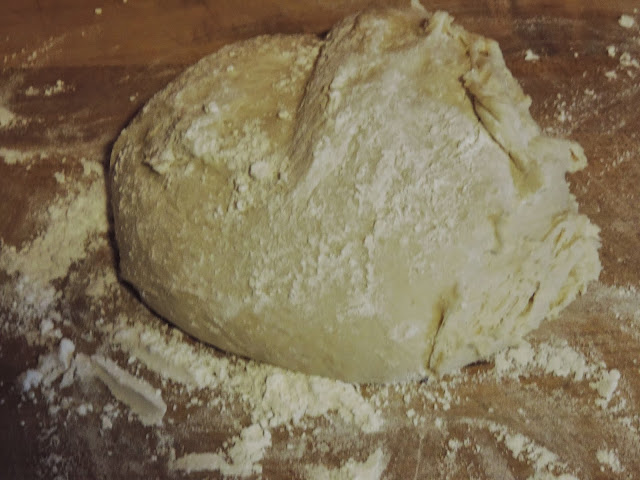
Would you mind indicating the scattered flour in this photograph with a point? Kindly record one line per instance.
(60, 177)
(71, 223)
(73, 227)
(609, 460)
(48, 90)
(544, 462)
(559, 360)
(606, 384)
(530, 56)
(241, 459)
(627, 61)
(18, 157)
(142, 399)
(291, 396)
(7, 117)
(91, 169)
(626, 21)
(101, 284)
(620, 302)
(55, 89)
(371, 469)
(274, 396)
(50, 367)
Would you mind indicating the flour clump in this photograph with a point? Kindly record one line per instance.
(372, 206)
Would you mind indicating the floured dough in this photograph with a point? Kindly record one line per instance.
(374, 206)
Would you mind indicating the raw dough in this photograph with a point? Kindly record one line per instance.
(374, 206)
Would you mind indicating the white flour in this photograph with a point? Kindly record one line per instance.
(609, 461)
(371, 469)
(71, 223)
(7, 117)
(241, 459)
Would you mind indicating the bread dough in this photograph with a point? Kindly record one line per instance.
(374, 206)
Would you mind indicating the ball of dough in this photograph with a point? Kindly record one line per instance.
(373, 206)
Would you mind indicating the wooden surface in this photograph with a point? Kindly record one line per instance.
(113, 62)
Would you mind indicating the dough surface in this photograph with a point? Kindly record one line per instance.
(374, 206)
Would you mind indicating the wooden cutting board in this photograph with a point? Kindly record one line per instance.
(73, 73)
